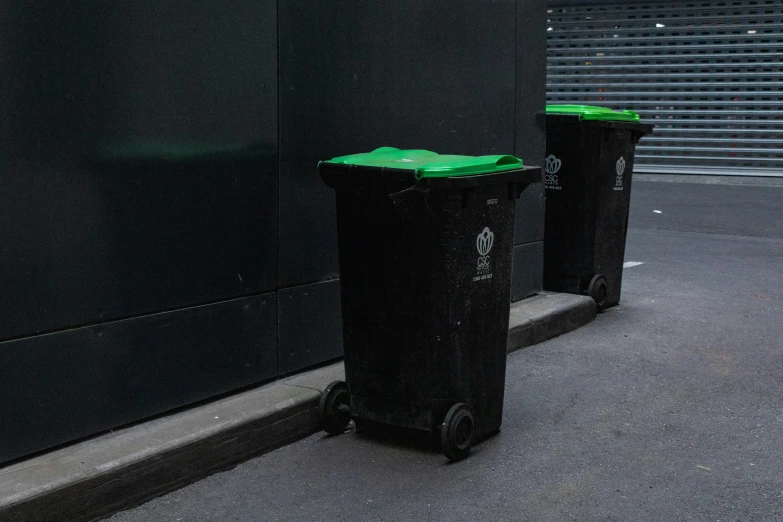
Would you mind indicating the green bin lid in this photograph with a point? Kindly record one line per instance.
(428, 164)
(589, 112)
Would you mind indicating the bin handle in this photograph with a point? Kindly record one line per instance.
(468, 166)
(504, 161)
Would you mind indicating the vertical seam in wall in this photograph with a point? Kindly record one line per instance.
(279, 190)
(279, 145)
(516, 80)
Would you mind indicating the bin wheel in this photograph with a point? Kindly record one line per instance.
(598, 290)
(456, 432)
(335, 408)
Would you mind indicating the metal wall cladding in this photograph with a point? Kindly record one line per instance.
(138, 211)
(356, 76)
(531, 42)
(59, 387)
(310, 325)
(528, 273)
(708, 74)
(139, 165)
(530, 145)
(159, 182)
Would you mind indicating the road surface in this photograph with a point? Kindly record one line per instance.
(668, 407)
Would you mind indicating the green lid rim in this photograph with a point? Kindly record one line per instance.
(437, 166)
(593, 113)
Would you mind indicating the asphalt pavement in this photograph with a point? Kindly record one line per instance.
(668, 407)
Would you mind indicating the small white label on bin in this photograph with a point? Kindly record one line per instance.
(619, 169)
(551, 167)
(484, 242)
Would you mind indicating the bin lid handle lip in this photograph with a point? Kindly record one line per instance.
(593, 113)
(427, 164)
(469, 166)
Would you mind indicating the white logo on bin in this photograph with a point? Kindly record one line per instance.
(551, 167)
(484, 243)
(620, 166)
(552, 164)
(620, 169)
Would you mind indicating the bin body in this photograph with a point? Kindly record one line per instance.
(588, 174)
(425, 278)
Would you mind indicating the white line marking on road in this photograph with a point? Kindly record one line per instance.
(657, 211)
(629, 264)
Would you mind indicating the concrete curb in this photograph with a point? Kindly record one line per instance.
(545, 316)
(100, 476)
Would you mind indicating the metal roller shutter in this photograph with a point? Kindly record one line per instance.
(707, 74)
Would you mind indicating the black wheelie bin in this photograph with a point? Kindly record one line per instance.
(588, 168)
(425, 247)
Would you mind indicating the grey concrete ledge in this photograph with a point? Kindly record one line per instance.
(100, 476)
(547, 315)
